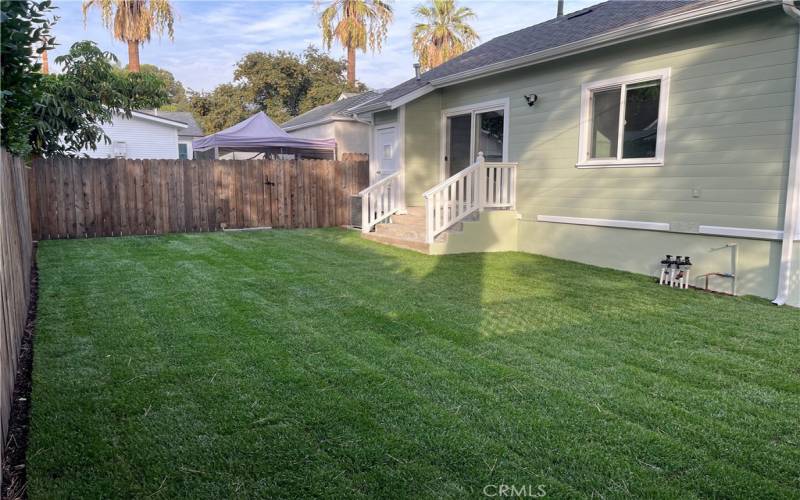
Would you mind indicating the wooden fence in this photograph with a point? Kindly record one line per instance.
(16, 253)
(76, 198)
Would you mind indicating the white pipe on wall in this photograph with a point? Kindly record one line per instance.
(793, 185)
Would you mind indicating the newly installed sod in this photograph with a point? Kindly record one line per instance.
(313, 363)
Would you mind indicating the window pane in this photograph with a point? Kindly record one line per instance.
(458, 138)
(641, 120)
(489, 135)
(605, 123)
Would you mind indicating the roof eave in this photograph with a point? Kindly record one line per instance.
(323, 121)
(159, 119)
(713, 11)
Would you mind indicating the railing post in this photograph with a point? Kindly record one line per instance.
(513, 189)
(365, 213)
(481, 181)
(429, 214)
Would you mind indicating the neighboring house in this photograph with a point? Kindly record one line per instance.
(335, 121)
(185, 136)
(143, 135)
(624, 131)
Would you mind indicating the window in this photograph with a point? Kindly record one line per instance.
(623, 121)
(489, 135)
(468, 130)
(183, 151)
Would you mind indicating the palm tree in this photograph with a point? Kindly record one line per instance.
(443, 34)
(133, 21)
(355, 24)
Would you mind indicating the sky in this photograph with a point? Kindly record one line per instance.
(212, 36)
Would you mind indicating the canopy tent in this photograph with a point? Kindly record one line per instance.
(260, 134)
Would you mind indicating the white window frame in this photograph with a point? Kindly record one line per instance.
(585, 134)
(503, 105)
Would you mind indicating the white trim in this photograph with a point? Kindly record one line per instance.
(710, 12)
(503, 104)
(401, 154)
(791, 224)
(415, 94)
(157, 119)
(715, 10)
(375, 130)
(742, 232)
(629, 163)
(323, 121)
(738, 232)
(585, 221)
(585, 132)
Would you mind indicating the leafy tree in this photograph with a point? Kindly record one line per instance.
(88, 93)
(226, 105)
(355, 24)
(24, 31)
(443, 34)
(276, 82)
(282, 84)
(175, 89)
(133, 22)
(326, 82)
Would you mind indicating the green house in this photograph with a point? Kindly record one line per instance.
(612, 135)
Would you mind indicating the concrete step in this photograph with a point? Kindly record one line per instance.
(417, 211)
(408, 219)
(419, 246)
(401, 231)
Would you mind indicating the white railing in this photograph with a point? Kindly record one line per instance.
(481, 185)
(380, 200)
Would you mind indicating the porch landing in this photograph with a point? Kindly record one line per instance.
(489, 230)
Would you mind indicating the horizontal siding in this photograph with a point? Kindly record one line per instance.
(728, 132)
(144, 139)
(422, 135)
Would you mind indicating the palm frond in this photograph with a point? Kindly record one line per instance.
(443, 33)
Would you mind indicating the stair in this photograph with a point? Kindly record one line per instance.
(406, 231)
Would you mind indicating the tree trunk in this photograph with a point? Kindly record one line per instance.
(45, 64)
(133, 57)
(351, 66)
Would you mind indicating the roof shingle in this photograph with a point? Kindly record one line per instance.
(585, 23)
(336, 108)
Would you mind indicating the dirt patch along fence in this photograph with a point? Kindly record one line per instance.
(77, 198)
(16, 254)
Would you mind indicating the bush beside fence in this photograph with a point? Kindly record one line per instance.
(16, 253)
(76, 198)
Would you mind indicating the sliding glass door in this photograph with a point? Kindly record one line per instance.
(472, 131)
(459, 138)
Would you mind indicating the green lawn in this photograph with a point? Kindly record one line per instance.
(311, 362)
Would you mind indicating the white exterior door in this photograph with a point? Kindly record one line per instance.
(385, 151)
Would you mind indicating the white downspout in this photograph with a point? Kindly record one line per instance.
(791, 222)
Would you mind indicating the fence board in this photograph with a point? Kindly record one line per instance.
(16, 254)
(80, 198)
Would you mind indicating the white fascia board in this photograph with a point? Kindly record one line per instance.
(716, 10)
(741, 232)
(411, 96)
(158, 119)
(323, 121)
(586, 221)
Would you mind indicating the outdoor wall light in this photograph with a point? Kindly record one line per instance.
(531, 99)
